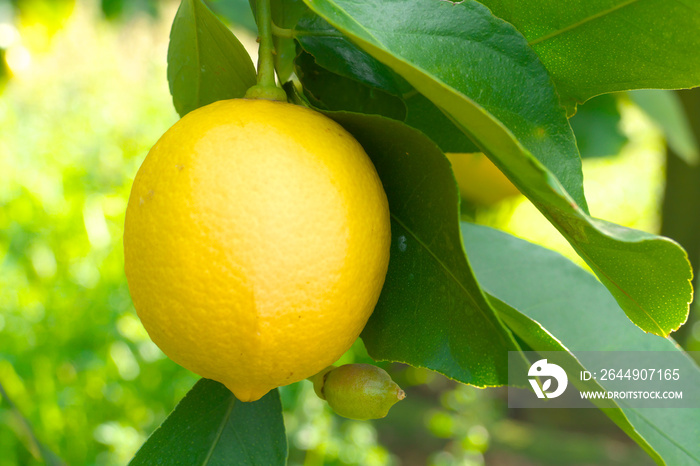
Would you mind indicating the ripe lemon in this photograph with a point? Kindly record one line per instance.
(480, 180)
(256, 243)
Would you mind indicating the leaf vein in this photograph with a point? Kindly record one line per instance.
(198, 58)
(662, 433)
(589, 19)
(224, 421)
(456, 280)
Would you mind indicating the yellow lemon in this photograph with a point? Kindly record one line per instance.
(256, 243)
(479, 180)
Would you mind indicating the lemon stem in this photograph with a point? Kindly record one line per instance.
(266, 88)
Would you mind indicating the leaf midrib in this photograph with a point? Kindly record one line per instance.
(661, 432)
(220, 432)
(198, 87)
(581, 22)
(456, 280)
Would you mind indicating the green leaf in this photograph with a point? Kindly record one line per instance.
(331, 91)
(211, 427)
(554, 305)
(666, 111)
(206, 62)
(431, 312)
(609, 45)
(489, 83)
(237, 12)
(339, 56)
(597, 127)
(423, 115)
(336, 53)
(539, 339)
(488, 61)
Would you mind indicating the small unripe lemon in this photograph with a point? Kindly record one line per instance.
(256, 243)
(358, 391)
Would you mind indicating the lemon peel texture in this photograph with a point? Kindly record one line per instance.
(256, 243)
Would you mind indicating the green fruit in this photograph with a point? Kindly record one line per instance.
(358, 391)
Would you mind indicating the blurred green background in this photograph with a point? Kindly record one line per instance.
(83, 97)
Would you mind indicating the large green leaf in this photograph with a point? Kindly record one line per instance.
(480, 71)
(336, 54)
(553, 305)
(593, 47)
(489, 60)
(538, 338)
(431, 312)
(206, 62)
(211, 427)
(424, 115)
(331, 91)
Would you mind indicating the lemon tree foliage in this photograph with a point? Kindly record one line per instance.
(432, 312)
(591, 48)
(648, 275)
(330, 91)
(210, 426)
(332, 66)
(492, 50)
(533, 285)
(411, 79)
(206, 62)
